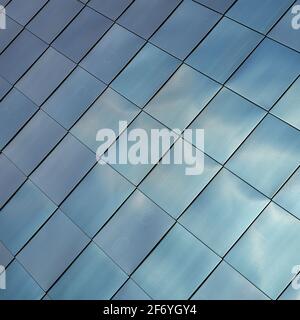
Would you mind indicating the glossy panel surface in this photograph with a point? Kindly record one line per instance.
(45, 76)
(224, 49)
(63, 168)
(269, 156)
(53, 18)
(223, 211)
(272, 240)
(81, 35)
(133, 231)
(166, 182)
(158, 274)
(143, 17)
(11, 178)
(260, 15)
(96, 198)
(145, 74)
(227, 284)
(34, 142)
(73, 97)
(92, 276)
(106, 112)
(186, 27)
(182, 98)
(288, 196)
(22, 286)
(260, 79)
(287, 108)
(228, 118)
(17, 226)
(112, 53)
(54, 247)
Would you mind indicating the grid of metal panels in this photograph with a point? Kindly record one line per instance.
(73, 229)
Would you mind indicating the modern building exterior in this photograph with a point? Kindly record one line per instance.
(73, 228)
